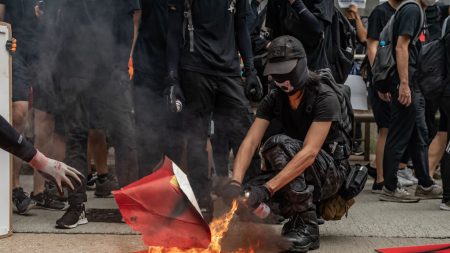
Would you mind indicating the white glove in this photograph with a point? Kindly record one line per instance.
(57, 172)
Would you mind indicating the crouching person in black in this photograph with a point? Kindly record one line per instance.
(305, 166)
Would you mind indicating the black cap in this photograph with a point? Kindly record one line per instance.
(283, 55)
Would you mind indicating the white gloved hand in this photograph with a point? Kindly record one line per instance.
(57, 172)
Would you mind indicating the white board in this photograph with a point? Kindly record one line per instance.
(361, 4)
(5, 111)
(358, 92)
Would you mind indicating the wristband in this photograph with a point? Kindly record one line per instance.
(235, 182)
(269, 189)
(39, 161)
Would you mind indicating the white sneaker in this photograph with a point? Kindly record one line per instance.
(445, 206)
(408, 174)
(403, 182)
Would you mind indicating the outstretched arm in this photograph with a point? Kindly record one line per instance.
(57, 172)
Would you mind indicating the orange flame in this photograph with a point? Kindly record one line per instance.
(218, 229)
(130, 68)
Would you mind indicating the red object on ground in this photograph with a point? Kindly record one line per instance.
(440, 248)
(156, 207)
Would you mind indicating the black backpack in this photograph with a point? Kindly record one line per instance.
(343, 93)
(384, 67)
(431, 75)
(344, 46)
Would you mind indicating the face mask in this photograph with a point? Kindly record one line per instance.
(429, 2)
(293, 81)
(285, 86)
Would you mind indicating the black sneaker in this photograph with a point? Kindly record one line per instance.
(22, 202)
(53, 191)
(377, 188)
(46, 201)
(357, 149)
(74, 216)
(90, 182)
(104, 186)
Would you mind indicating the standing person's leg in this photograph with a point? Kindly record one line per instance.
(148, 106)
(75, 93)
(120, 124)
(437, 146)
(402, 125)
(445, 163)
(199, 91)
(382, 114)
(46, 141)
(21, 81)
(419, 151)
(236, 112)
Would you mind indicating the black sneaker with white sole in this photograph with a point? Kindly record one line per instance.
(47, 201)
(74, 216)
(22, 202)
(90, 182)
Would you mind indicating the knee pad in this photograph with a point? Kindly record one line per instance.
(278, 150)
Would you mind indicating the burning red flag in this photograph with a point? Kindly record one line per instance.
(162, 207)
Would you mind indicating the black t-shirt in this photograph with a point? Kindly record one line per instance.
(150, 52)
(215, 44)
(407, 22)
(378, 19)
(296, 123)
(20, 14)
(96, 36)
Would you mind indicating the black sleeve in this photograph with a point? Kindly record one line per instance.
(14, 143)
(175, 29)
(325, 107)
(375, 27)
(309, 21)
(267, 106)
(243, 35)
(408, 20)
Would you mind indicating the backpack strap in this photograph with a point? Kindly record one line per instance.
(188, 24)
(445, 28)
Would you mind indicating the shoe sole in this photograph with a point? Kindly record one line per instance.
(444, 208)
(312, 246)
(377, 191)
(80, 222)
(104, 196)
(358, 153)
(428, 197)
(51, 209)
(398, 200)
(29, 207)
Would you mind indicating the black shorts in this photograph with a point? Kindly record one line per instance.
(47, 98)
(381, 110)
(24, 64)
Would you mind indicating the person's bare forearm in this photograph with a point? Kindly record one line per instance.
(243, 159)
(2, 12)
(248, 148)
(303, 160)
(372, 46)
(362, 31)
(402, 59)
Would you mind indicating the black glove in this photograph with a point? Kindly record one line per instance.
(253, 86)
(11, 45)
(256, 196)
(231, 192)
(173, 93)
